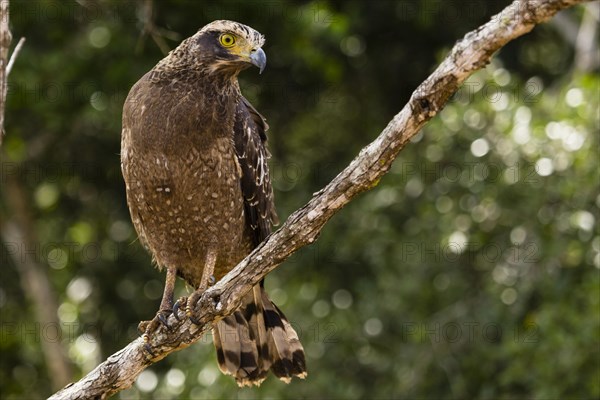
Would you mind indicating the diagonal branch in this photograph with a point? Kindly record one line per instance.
(14, 55)
(473, 52)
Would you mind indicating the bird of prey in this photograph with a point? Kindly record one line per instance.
(194, 160)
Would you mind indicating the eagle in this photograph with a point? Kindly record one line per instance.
(194, 161)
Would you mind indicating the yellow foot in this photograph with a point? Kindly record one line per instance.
(191, 303)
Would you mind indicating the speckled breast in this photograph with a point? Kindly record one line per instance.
(182, 206)
(183, 178)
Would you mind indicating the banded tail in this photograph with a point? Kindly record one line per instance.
(258, 338)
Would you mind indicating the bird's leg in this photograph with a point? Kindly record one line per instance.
(166, 306)
(181, 303)
(207, 276)
(209, 269)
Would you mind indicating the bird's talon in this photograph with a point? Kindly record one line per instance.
(194, 320)
(191, 304)
(180, 303)
(148, 348)
(163, 318)
(189, 313)
(143, 326)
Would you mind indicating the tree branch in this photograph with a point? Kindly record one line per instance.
(5, 39)
(14, 55)
(473, 52)
(6, 64)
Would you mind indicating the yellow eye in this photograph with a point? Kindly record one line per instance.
(227, 40)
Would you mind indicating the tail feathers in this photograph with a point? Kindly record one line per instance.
(285, 350)
(256, 338)
(236, 354)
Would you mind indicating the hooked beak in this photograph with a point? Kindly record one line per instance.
(259, 59)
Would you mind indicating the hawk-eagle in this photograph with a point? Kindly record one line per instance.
(194, 159)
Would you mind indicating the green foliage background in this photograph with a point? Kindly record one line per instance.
(471, 271)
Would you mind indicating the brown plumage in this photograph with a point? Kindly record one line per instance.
(194, 159)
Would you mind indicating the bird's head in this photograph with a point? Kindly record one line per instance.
(227, 47)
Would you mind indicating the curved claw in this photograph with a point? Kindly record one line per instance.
(194, 320)
(191, 302)
(180, 303)
(148, 327)
(147, 346)
(163, 317)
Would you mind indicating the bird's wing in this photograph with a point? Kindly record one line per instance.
(250, 144)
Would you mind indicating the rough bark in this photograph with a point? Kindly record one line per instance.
(473, 52)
